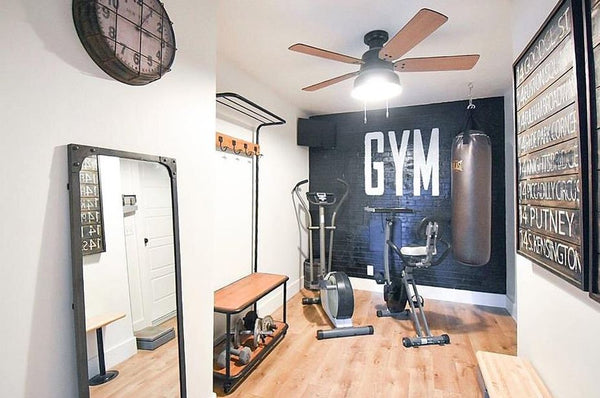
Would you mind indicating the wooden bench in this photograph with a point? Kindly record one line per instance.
(508, 376)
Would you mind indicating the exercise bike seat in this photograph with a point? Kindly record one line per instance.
(414, 251)
(423, 256)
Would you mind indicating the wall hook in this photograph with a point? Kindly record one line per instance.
(233, 144)
(224, 148)
(246, 150)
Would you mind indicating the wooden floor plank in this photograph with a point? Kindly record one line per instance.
(378, 365)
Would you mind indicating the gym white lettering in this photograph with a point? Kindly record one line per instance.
(376, 136)
(426, 168)
(399, 157)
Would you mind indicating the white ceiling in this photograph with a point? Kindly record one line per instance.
(255, 36)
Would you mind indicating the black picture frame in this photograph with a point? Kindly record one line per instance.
(552, 173)
(76, 153)
(592, 30)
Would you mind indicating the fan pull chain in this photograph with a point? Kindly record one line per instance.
(365, 108)
(387, 109)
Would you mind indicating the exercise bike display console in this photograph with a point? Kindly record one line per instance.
(336, 296)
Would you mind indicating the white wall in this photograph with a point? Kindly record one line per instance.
(558, 324)
(105, 277)
(283, 164)
(53, 94)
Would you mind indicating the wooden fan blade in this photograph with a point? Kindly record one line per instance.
(436, 64)
(329, 82)
(424, 23)
(319, 52)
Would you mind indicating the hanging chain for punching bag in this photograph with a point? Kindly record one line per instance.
(471, 192)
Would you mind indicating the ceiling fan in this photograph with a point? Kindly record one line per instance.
(376, 78)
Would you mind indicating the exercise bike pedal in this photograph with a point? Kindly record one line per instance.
(405, 314)
(311, 300)
(418, 300)
(426, 340)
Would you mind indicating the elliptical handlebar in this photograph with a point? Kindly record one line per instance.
(303, 203)
(299, 183)
(341, 201)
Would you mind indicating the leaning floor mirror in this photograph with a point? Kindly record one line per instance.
(127, 298)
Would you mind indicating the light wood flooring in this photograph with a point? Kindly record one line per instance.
(147, 374)
(378, 365)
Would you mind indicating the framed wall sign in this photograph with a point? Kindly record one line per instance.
(92, 220)
(593, 51)
(553, 205)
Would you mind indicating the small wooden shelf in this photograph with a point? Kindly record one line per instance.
(240, 294)
(235, 298)
(506, 376)
(102, 320)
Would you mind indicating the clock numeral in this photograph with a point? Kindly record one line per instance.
(114, 3)
(112, 32)
(123, 48)
(136, 58)
(158, 55)
(105, 12)
(159, 27)
(149, 60)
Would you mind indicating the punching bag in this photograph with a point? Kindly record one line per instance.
(471, 194)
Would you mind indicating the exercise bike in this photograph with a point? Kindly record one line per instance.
(335, 290)
(396, 289)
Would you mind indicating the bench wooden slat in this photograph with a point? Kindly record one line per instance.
(510, 376)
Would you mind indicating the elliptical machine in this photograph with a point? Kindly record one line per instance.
(335, 290)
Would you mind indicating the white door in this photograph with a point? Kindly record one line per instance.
(149, 242)
(156, 212)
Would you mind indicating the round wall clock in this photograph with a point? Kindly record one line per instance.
(131, 40)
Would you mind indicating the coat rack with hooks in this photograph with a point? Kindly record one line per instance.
(253, 114)
(236, 146)
(247, 113)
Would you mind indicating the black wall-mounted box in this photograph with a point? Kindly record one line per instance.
(316, 133)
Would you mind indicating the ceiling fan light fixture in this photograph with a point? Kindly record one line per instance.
(376, 85)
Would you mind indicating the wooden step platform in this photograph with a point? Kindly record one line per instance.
(508, 376)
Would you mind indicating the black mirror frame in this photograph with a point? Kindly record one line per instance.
(76, 154)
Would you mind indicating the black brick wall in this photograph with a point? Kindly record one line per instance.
(359, 236)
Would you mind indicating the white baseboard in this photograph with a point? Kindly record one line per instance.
(113, 355)
(440, 293)
(511, 307)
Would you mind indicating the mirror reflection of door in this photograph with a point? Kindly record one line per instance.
(132, 283)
